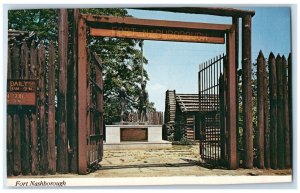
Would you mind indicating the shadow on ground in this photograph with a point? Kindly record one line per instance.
(147, 166)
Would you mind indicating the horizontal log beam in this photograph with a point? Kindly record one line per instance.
(154, 23)
(230, 12)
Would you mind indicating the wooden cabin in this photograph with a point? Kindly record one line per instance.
(20, 36)
(181, 116)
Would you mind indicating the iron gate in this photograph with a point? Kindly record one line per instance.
(211, 89)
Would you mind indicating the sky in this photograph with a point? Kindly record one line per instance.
(175, 65)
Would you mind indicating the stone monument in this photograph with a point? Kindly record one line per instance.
(138, 134)
(128, 134)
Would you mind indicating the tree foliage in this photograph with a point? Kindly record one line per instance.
(121, 57)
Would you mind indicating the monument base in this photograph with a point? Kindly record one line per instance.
(134, 136)
(137, 145)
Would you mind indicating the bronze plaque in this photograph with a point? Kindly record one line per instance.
(21, 92)
(134, 134)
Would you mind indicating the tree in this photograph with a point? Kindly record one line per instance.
(121, 57)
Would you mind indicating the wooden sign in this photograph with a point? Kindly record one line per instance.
(161, 35)
(124, 27)
(21, 92)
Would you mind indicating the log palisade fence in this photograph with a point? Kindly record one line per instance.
(43, 138)
(37, 136)
(31, 133)
(274, 112)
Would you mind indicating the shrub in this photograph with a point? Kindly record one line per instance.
(184, 141)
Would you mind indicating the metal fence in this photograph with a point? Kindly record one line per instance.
(209, 91)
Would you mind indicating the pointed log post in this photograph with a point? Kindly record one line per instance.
(290, 93)
(25, 161)
(16, 116)
(286, 125)
(42, 111)
(280, 114)
(33, 117)
(260, 110)
(266, 122)
(247, 93)
(51, 111)
(9, 122)
(72, 87)
(273, 110)
(62, 140)
(82, 108)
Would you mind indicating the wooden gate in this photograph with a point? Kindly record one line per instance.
(94, 110)
(36, 142)
(212, 134)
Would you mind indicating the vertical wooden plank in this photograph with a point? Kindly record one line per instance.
(51, 111)
(9, 142)
(266, 122)
(235, 22)
(280, 114)
(33, 71)
(15, 67)
(222, 117)
(273, 110)
(260, 110)
(24, 62)
(290, 93)
(225, 87)
(16, 117)
(33, 116)
(25, 126)
(9, 65)
(17, 144)
(42, 110)
(99, 102)
(62, 143)
(82, 108)
(246, 90)
(72, 85)
(34, 145)
(232, 99)
(286, 125)
(88, 112)
(9, 122)
(26, 168)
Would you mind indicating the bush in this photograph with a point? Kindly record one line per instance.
(184, 141)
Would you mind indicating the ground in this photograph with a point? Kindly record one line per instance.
(178, 161)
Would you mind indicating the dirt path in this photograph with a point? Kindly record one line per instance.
(178, 161)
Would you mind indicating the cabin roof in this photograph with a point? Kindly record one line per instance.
(19, 35)
(190, 102)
